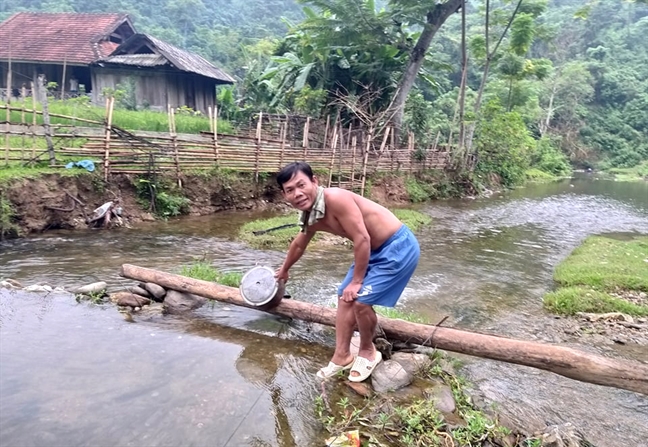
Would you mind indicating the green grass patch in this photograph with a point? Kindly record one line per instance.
(281, 238)
(392, 312)
(639, 172)
(148, 120)
(536, 175)
(601, 265)
(277, 239)
(204, 271)
(7, 215)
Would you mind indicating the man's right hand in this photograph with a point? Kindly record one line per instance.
(282, 274)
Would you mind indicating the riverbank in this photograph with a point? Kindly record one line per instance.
(33, 202)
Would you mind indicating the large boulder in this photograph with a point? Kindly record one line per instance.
(178, 302)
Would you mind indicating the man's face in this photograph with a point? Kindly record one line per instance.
(300, 191)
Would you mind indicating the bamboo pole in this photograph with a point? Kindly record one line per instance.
(392, 152)
(326, 131)
(8, 127)
(365, 161)
(306, 139)
(333, 144)
(33, 129)
(258, 149)
(110, 103)
(354, 144)
(410, 149)
(215, 124)
(174, 143)
(63, 79)
(568, 362)
(282, 134)
(46, 119)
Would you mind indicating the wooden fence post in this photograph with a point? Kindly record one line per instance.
(46, 119)
(33, 129)
(110, 103)
(365, 161)
(282, 136)
(258, 148)
(410, 150)
(174, 142)
(354, 143)
(8, 130)
(214, 125)
(305, 139)
(333, 146)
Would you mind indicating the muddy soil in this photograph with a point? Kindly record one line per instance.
(52, 201)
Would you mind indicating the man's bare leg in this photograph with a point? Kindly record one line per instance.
(367, 321)
(345, 321)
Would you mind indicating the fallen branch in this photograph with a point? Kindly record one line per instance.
(568, 362)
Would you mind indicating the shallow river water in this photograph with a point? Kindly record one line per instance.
(77, 374)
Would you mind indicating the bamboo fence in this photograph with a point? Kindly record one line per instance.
(341, 156)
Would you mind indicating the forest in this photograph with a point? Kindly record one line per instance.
(518, 85)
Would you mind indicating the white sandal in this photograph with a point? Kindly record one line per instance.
(332, 369)
(364, 367)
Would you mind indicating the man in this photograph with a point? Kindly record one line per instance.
(385, 256)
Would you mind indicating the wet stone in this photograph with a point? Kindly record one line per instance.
(137, 290)
(157, 292)
(564, 435)
(178, 302)
(95, 287)
(128, 299)
(412, 363)
(390, 376)
(443, 399)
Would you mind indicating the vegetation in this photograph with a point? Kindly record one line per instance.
(284, 228)
(159, 198)
(7, 214)
(387, 420)
(204, 271)
(636, 173)
(598, 275)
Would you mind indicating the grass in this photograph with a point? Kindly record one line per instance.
(148, 120)
(7, 215)
(281, 239)
(391, 312)
(636, 173)
(599, 267)
(538, 176)
(204, 271)
(384, 419)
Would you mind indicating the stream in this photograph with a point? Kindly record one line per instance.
(79, 374)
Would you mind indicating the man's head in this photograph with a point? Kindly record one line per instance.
(298, 185)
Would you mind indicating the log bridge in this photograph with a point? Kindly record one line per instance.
(568, 362)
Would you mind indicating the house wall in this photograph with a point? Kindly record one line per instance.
(24, 73)
(157, 88)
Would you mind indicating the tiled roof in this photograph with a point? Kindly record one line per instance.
(58, 37)
(181, 59)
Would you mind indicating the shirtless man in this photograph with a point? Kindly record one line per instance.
(385, 256)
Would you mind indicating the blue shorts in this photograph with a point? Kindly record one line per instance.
(390, 268)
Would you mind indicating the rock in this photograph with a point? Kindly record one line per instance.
(412, 363)
(384, 347)
(14, 283)
(157, 292)
(8, 285)
(95, 287)
(177, 302)
(564, 435)
(38, 288)
(390, 376)
(443, 399)
(137, 290)
(129, 299)
(361, 388)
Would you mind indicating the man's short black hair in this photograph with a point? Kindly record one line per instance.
(291, 169)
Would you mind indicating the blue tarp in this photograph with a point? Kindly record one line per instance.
(86, 164)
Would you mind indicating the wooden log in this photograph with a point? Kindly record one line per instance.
(568, 362)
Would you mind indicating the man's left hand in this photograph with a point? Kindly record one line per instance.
(350, 292)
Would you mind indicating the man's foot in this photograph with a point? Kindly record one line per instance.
(363, 367)
(332, 369)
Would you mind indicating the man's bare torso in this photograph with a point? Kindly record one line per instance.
(381, 223)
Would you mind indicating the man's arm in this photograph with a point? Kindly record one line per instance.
(295, 251)
(348, 214)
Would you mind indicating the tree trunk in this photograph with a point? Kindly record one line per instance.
(435, 18)
(561, 360)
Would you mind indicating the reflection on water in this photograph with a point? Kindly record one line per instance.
(85, 376)
(80, 375)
